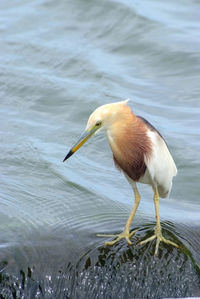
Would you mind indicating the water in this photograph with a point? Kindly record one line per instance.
(59, 60)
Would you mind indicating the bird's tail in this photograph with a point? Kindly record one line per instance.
(163, 192)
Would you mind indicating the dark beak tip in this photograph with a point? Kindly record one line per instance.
(65, 159)
(68, 155)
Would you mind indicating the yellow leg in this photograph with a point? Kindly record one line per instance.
(158, 231)
(126, 232)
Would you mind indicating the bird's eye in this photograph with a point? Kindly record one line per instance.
(98, 124)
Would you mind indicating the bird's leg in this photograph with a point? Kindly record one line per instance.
(126, 234)
(158, 231)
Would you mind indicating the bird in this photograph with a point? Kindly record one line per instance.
(141, 153)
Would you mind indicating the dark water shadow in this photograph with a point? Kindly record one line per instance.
(121, 271)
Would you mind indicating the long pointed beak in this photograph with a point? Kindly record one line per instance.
(83, 138)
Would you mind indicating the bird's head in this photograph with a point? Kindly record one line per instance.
(103, 117)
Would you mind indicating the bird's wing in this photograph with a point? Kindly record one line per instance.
(160, 165)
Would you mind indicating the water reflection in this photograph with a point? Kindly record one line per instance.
(124, 271)
(121, 271)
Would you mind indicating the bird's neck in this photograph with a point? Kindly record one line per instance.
(121, 132)
(130, 145)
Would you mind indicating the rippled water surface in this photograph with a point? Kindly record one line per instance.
(59, 60)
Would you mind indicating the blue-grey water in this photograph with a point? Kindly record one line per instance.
(59, 60)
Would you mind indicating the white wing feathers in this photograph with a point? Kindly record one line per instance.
(161, 166)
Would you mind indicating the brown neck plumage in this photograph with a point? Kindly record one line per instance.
(130, 145)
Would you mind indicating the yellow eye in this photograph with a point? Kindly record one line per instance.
(98, 124)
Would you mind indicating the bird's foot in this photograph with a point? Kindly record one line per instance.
(160, 238)
(123, 235)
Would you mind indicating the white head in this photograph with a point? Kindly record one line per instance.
(103, 117)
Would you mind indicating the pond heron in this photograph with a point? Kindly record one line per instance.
(140, 152)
